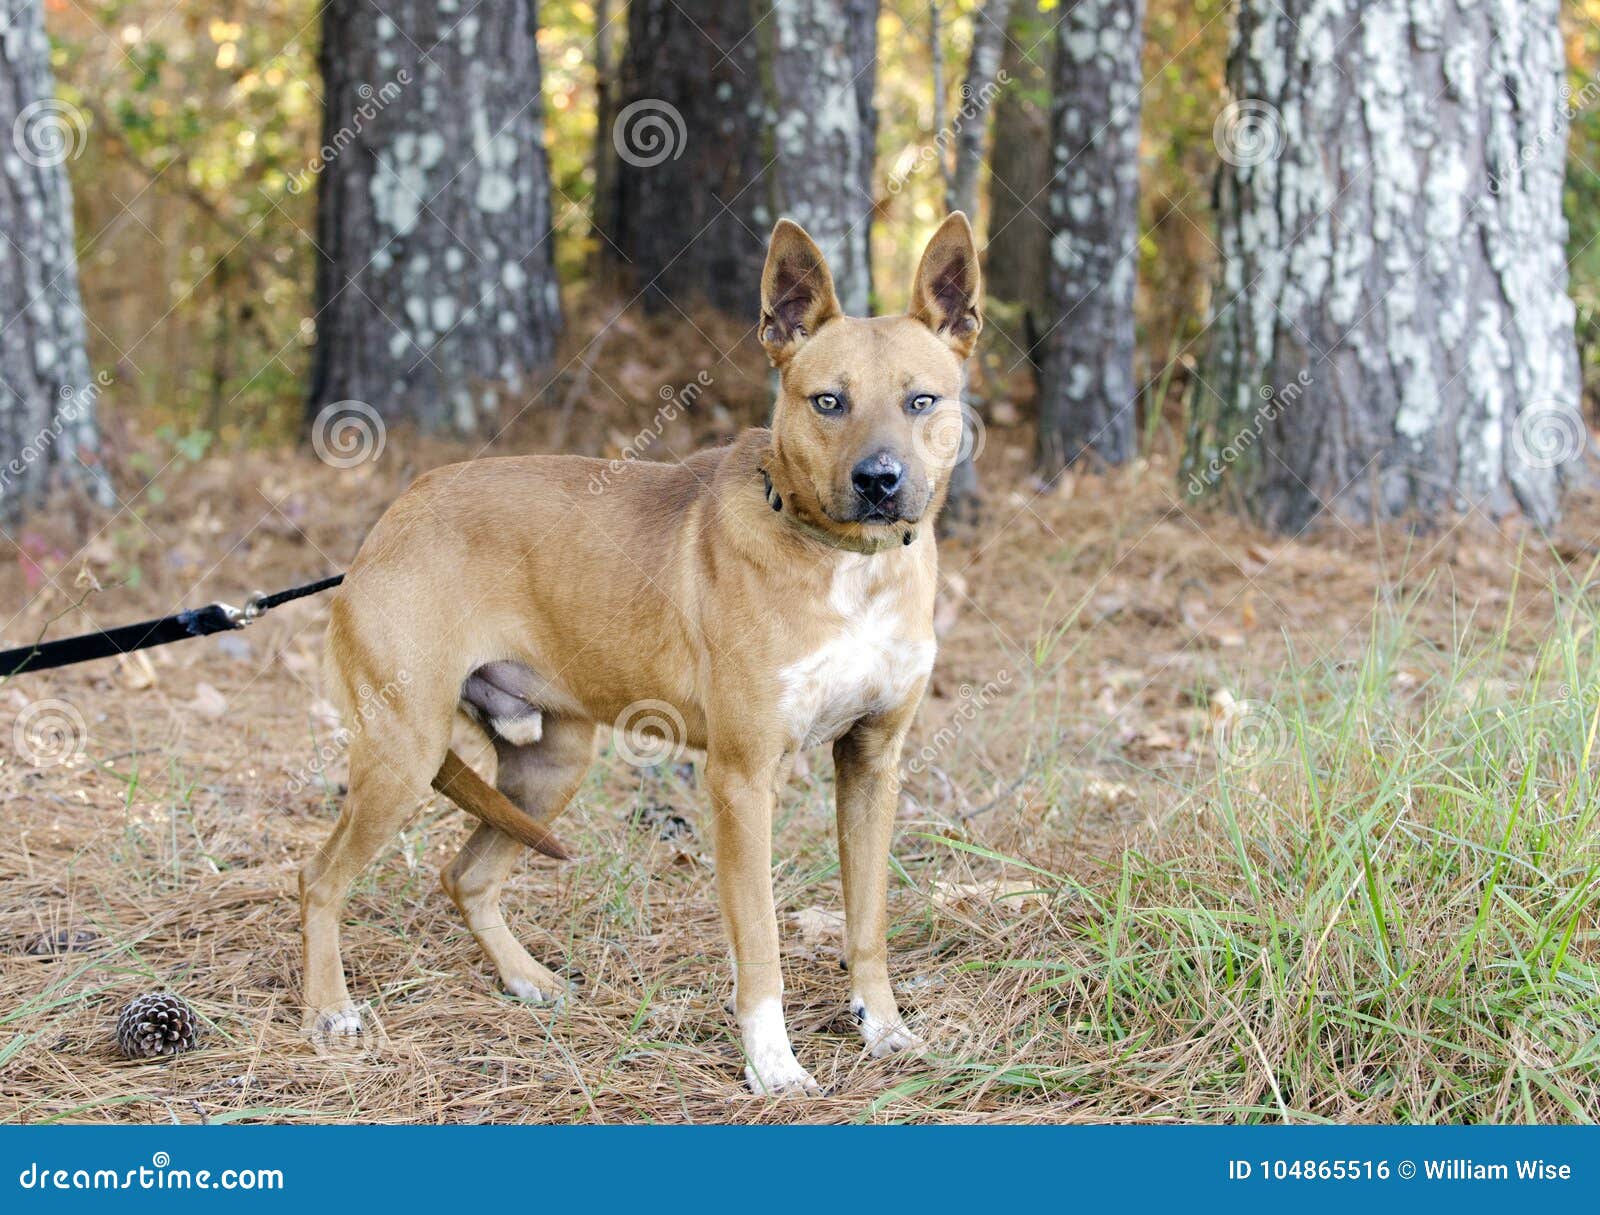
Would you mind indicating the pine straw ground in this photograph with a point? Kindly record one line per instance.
(1202, 825)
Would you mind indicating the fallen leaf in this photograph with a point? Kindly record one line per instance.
(1016, 894)
(1223, 707)
(818, 925)
(208, 702)
(1104, 795)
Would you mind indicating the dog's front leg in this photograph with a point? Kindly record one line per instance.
(741, 804)
(866, 764)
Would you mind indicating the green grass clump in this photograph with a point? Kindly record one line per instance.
(1381, 906)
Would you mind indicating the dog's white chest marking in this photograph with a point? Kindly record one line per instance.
(872, 664)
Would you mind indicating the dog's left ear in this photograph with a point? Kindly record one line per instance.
(797, 296)
(947, 293)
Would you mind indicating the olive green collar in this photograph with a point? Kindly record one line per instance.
(867, 545)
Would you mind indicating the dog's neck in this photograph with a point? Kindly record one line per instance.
(867, 545)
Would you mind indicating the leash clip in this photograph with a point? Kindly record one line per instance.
(239, 617)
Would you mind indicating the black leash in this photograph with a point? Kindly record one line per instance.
(200, 622)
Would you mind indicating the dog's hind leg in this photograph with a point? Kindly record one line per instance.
(540, 777)
(382, 796)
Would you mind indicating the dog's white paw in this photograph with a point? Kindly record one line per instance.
(771, 1070)
(338, 1022)
(884, 1037)
(780, 1075)
(526, 979)
(534, 991)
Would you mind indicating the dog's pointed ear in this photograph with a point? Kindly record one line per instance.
(947, 295)
(797, 295)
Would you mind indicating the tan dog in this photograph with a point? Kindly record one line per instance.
(753, 600)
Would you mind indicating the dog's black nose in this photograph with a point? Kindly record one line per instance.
(878, 478)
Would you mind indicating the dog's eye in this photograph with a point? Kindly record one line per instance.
(921, 403)
(827, 402)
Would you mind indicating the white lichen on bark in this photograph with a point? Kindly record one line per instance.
(822, 175)
(1393, 238)
(48, 401)
(1087, 394)
(437, 292)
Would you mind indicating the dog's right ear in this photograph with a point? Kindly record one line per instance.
(797, 296)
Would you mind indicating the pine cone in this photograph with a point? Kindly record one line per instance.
(157, 1024)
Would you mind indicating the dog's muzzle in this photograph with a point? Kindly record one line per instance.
(877, 482)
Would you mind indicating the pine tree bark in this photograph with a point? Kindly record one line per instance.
(820, 56)
(1392, 332)
(685, 223)
(862, 16)
(963, 501)
(436, 286)
(977, 94)
(735, 112)
(604, 203)
(47, 400)
(1017, 256)
(1087, 397)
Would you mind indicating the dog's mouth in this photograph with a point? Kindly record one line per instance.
(882, 512)
(876, 514)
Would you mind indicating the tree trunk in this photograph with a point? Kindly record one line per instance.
(963, 500)
(1086, 392)
(1018, 249)
(977, 95)
(689, 143)
(603, 206)
(47, 400)
(436, 285)
(822, 123)
(1392, 330)
(735, 112)
(862, 16)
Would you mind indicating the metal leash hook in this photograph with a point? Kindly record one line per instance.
(238, 617)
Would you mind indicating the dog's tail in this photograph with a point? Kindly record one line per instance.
(482, 800)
